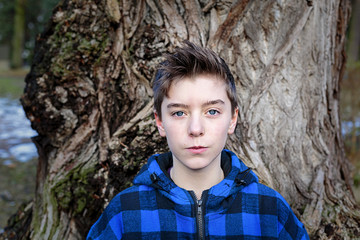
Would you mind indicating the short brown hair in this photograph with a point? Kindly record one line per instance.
(189, 61)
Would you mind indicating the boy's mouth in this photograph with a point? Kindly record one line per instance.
(197, 149)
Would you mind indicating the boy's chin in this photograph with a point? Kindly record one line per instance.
(198, 163)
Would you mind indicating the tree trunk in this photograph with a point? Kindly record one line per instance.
(18, 36)
(89, 97)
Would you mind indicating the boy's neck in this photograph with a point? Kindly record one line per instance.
(197, 180)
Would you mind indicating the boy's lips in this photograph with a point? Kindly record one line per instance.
(197, 149)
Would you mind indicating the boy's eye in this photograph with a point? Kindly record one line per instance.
(178, 114)
(213, 112)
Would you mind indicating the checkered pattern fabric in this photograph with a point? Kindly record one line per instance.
(239, 207)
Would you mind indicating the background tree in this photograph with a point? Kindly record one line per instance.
(17, 41)
(6, 19)
(354, 33)
(89, 97)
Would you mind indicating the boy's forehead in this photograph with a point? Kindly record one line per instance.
(206, 80)
(203, 85)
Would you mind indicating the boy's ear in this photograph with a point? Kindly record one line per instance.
(233, 122)
(159, 125)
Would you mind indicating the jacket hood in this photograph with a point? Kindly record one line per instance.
(237, 175)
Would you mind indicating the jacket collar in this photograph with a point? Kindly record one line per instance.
(155, 174)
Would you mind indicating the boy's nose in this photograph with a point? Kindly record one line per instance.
(196, 127)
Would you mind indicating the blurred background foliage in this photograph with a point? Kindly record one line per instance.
(21, 22)
(350, 95)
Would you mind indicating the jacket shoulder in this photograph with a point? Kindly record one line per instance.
(270, 202)
(132, 198)
(110, 223)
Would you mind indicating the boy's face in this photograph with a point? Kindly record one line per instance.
(196, 119)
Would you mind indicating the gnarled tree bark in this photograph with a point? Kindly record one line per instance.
(89, 97)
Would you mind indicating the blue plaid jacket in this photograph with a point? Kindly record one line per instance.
(239, 207)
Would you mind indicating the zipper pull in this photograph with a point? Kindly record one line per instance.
(199, 202)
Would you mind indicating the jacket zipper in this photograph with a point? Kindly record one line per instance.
(199, 214)
(199, 218)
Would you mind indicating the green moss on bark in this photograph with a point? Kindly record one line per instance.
(72, 193)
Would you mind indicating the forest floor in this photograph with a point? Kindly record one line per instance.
(355, 161)
(6, 72)
(17, 185)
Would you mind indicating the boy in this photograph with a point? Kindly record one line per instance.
(198, 190)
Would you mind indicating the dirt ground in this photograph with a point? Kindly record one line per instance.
(5, 71)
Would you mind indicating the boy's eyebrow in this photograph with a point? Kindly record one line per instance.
(177, 105)
(208, 103)
(213, 102)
